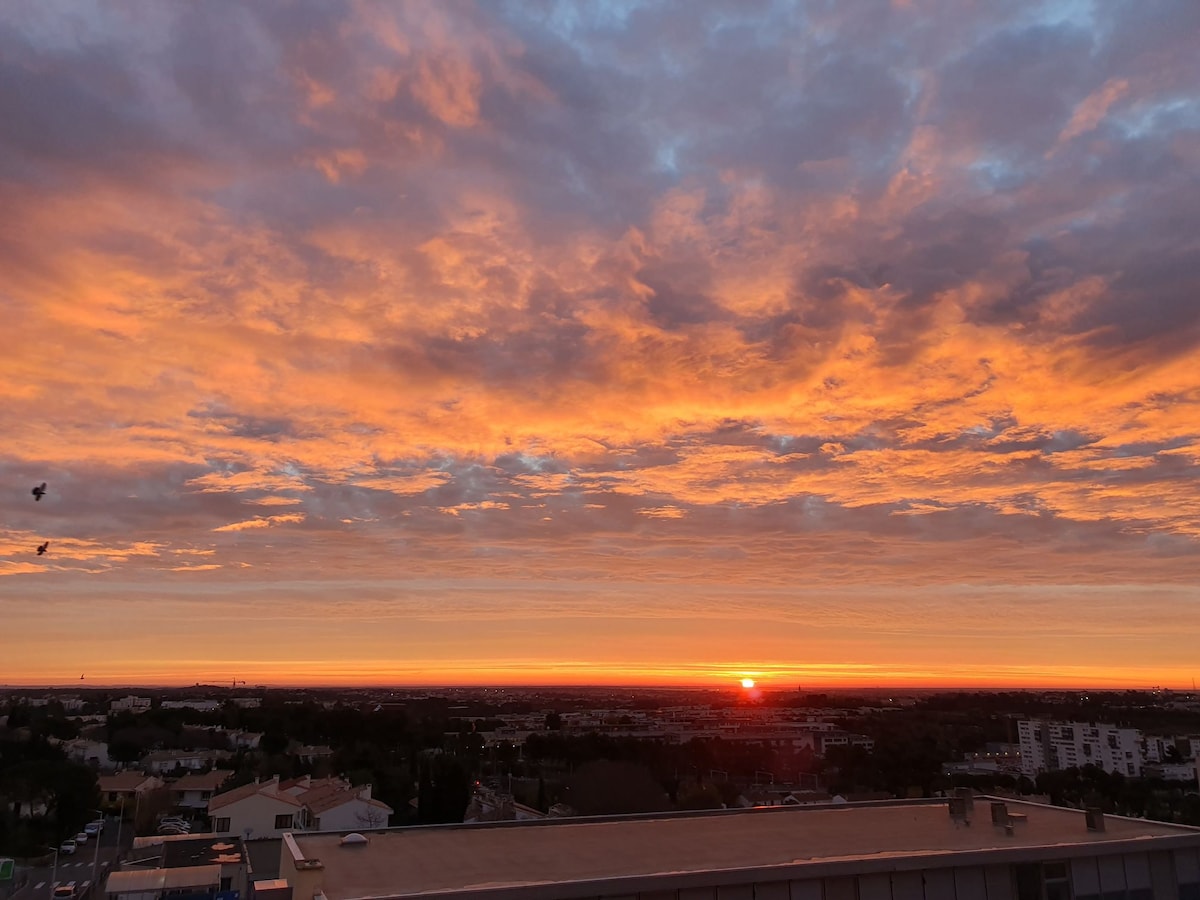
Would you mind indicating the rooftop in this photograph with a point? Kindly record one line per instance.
(123, 781)
(412, 861)
(268, 789)
(208, 781)
(158, 880)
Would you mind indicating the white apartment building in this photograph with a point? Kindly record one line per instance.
(130, 704)
(1051, 746)
(1157, 748)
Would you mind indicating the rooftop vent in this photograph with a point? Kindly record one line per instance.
(958, 810)
(1094, 816)
(1001, 818)
(352, 839)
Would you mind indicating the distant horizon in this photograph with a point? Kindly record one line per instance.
(733, 688)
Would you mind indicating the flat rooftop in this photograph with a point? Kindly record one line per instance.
(415, 861)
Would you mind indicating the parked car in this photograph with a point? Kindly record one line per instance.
(67, 847)
(81, 838)
(64, 891)
(173, 829)
(95, 829)
(175, 820)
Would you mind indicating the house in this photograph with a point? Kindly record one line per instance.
(161, 761)
(310, 755)
(198, 705)
(181, 865)
(497, 806)
(194, 790)
(130, 704)
(127, 786)
(267, 809)
(92, 753)
(342, 807)
(259, 810)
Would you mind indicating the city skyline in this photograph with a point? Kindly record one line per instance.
(613, 343)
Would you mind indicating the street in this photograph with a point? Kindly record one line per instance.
(38, 883)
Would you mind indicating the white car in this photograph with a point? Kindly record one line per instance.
(95, 829)
(81, 838)
(67, 848)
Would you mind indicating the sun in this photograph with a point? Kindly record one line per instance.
(747, 683)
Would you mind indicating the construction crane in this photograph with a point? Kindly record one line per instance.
(233, 687)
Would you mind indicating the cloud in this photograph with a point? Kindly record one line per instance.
(898, 296)
(262, 522)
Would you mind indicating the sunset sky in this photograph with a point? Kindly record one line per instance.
(597, 342)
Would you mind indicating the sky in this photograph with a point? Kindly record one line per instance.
(600, 342)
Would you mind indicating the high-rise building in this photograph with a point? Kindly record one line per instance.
(1051, 746)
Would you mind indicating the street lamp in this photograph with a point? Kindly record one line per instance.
(96, 854)
(54, 875)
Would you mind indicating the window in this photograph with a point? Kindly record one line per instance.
(283, 821)
(220, 825)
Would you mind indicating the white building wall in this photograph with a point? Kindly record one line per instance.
(256, 813)
(1048, 746)
(351, 816)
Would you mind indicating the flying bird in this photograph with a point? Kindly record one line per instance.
(39, 491)
(43, 547)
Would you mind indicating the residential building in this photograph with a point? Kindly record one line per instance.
(198, 705)
(164, 761)
(127, 786)
(342, 808)
(1051, 746)
(255, 810)
(488, 805)
(964, 849)
(269, 808)
(193, 790)
(195, 866)
(92, 753)
(130, 704)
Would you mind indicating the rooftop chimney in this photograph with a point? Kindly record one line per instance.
(958, 810)
(999, 812)
(1094, 816)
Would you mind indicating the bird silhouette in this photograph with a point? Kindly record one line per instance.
(39, 491)
(43, 547)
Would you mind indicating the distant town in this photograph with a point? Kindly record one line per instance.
(86, 771)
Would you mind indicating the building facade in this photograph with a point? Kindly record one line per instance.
(1051, 746)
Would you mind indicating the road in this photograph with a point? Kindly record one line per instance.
(39, 882)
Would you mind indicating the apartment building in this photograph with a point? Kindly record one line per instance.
(1049, 746)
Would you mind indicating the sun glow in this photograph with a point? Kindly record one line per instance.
(748, 683)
